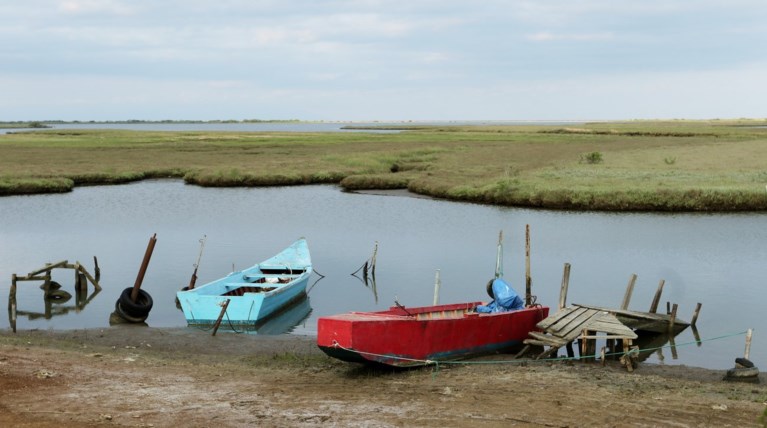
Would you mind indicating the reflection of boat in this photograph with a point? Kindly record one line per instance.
(416, 336)
(286, 320)
(253, 294)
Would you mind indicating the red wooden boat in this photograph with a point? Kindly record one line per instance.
(407, 337)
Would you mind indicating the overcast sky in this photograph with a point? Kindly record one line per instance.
(382, 60)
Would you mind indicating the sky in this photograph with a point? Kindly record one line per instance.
(363, 60)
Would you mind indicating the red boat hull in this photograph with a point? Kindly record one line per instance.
(417, 336)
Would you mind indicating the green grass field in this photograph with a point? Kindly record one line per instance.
(636, 165)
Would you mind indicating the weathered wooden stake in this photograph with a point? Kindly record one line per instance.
(499, 256)
(565, 285)
(142, 270)
(748, 343)
(629, 291)
(437, 284)
(96, 269)
(12, 294)
(672, 319)
(656, 299)
(528, 278)
(695, 314)
(220, 316)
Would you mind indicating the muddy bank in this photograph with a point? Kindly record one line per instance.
(144, 377)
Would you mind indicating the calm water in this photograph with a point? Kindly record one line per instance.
(272, 126)
(718, 260)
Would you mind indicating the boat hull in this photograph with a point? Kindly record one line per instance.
(254, 294)
(417, 336)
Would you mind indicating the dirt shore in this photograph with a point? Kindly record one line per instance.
(145, 377)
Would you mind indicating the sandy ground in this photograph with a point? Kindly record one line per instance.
(145, 377)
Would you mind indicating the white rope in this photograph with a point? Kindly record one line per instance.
(427, 362)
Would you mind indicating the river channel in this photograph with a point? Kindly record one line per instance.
(715, 259)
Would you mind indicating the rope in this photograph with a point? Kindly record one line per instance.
(544, 360)
(427, 362)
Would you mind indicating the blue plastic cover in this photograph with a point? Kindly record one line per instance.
(505, 299)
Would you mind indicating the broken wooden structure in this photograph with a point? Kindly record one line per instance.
(618, 327)
(52, 292)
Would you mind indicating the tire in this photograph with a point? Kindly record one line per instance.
(490, 289)
(139, 309)
(58, 296)
(119, 311)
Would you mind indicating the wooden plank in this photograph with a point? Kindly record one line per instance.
(645, 316)
(546, 338)
(538, 343)
(596, 336)
(623, 332)
(564, 321)
(47, 268)
(550, 320)
(574, 323)
(31, 278)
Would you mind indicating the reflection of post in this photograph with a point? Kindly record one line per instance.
(12, 313)
(48, 308)
(696, 335)
(660, 355)
(672, 343)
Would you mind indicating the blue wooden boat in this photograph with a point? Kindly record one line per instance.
(254, 294)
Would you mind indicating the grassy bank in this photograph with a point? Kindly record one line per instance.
(642, 165)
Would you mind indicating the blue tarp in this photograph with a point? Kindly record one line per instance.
(505, 299)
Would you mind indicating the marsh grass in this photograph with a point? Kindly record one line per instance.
(537, 166)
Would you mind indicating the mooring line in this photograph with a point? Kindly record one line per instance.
(527, 360)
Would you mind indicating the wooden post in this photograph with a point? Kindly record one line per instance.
(142, 270)
(96, 269)
(672, 320)
(668, 307)
(437, 283)
(499, 256)
(12, 294)
(220, 316)
(565, 285)
(629, 291)
(695, 314)
(748, 343)
(656, 299)
(528, 278)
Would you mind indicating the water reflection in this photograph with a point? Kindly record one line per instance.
(282, 323)
(53, 304)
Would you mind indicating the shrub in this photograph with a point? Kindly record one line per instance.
(592, 158)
